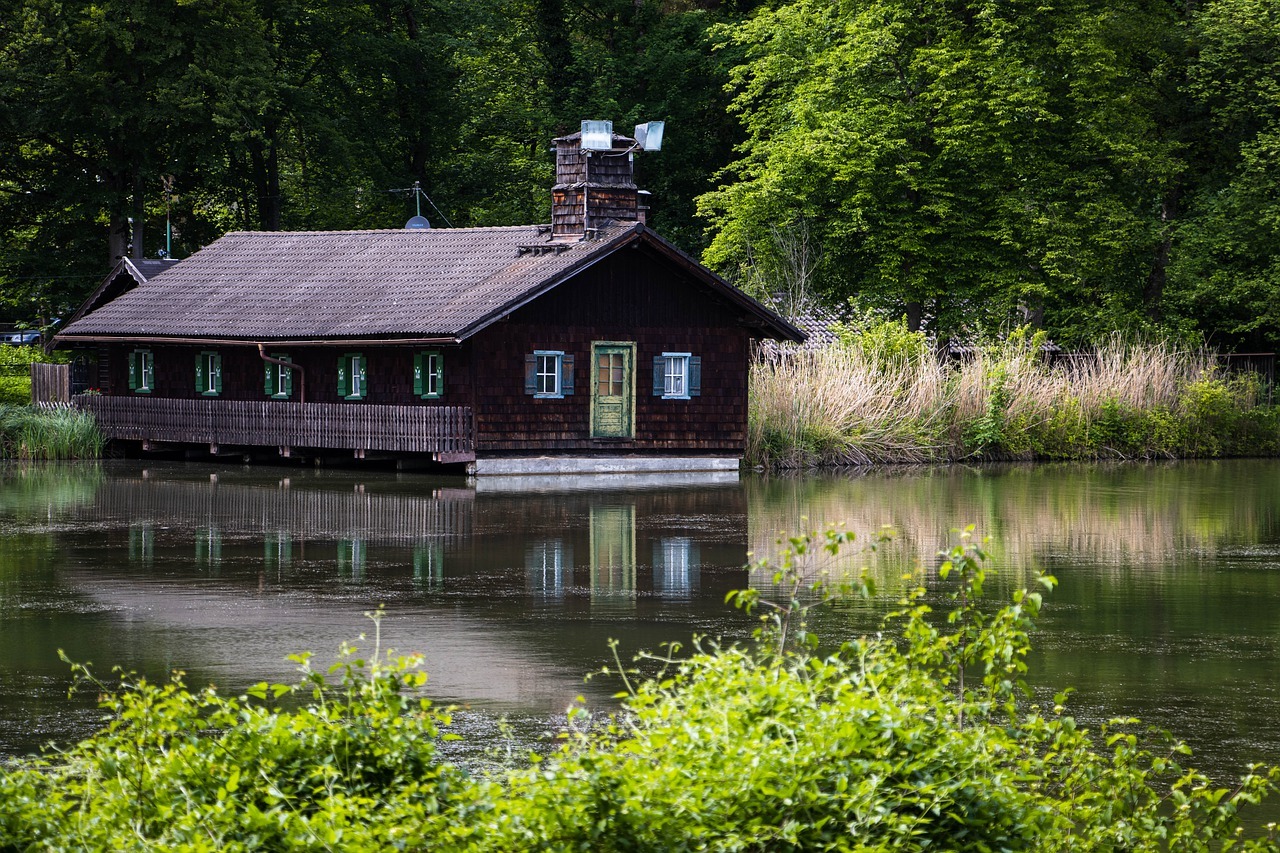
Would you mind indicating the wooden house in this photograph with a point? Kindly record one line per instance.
(590, 344)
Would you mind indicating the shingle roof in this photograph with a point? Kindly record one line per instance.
(300, 285)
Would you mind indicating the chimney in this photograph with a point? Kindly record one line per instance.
(593, 185)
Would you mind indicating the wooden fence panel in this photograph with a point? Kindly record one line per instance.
(50, 383)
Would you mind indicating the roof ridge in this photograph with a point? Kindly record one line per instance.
(391, 230)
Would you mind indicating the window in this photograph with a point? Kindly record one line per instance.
(353, 383)
(677, 376)
(278, 378)
(428, 374)
(548, 374)
(141, 371)
(208, 374)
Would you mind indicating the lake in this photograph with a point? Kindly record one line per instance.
(1168, 606)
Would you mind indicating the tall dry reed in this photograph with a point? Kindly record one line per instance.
(853, 403)
(843, 405)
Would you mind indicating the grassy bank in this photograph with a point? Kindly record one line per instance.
(27, 432)
(915, 739)
(880, 397)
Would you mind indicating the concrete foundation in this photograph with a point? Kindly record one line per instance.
(558, 465)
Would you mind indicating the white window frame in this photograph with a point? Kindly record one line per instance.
(284, 376)
(357, 390)
(675, 369)
(212, 363)
(555, 358)
(432, 374)
(146, 371)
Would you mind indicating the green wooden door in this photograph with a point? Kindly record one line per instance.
(613, 391)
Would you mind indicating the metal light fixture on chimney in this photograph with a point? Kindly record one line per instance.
(649, 135)
(597, 135)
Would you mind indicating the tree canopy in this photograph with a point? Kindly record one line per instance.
(969, 165)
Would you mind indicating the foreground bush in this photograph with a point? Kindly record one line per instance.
(877, 397)
(920, 739)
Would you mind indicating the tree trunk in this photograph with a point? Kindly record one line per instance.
(139, 218)
(1153, 294)
(915, 316)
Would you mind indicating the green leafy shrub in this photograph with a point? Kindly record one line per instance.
(922, 737)
(354, 768)
(918, 740)
(15, 390)
(888, 342)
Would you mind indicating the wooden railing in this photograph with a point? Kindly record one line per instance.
(442, 430)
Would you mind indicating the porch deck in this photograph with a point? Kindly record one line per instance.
(444, 431)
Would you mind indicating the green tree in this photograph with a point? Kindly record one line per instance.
(959, 163)
(99, 102)
(1226, 271)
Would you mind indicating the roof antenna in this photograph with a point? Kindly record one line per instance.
(167, 180)
(418, 221)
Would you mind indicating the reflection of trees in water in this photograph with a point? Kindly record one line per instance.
(1116, 516)
(34, 493)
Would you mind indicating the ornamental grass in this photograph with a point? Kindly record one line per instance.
(861, 402)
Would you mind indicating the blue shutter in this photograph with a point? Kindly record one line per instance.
(659, 379)
(695, 375)
(530, 374)
(566, 375)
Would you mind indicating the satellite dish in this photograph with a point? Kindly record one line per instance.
(417, 223)
(649, 135)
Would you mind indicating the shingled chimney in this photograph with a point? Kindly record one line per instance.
(594, 183)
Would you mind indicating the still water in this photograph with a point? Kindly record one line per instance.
(1168, 606)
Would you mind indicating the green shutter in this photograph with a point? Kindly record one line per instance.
(199, 373)
(439, 374)
(216, 366)
(419, 386)
(269, 378)
(695, 376)
(134, 369)
(659, 376)
(344, 383)
(357, 358)
(566, 375)
(530, 374)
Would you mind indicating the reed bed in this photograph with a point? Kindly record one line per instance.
(54, 432)
(856, 404)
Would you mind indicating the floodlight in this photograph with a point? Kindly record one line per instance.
(649, 135)
(597, 135)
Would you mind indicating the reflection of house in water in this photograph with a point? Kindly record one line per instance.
(618, 550)
(549, 567)
(675, 566)
(612, 534)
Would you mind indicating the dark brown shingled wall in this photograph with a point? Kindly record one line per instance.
(633, 296)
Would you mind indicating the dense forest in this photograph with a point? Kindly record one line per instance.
(1083, 165)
